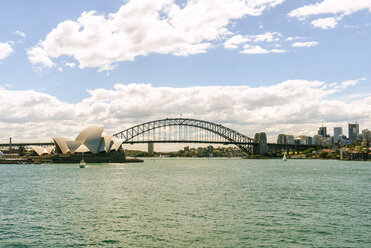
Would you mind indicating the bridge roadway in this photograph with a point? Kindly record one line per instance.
(27, 144)
(272, 146)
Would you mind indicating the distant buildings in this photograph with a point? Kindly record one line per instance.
(338, 132)
(303, 140)
(317, 139)
(366, 138)
(322, 131)
(322, 138)
(286, 139)
(353, 131)
(327, 141)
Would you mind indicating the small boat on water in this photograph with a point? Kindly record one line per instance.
(82, 163)
(284, 158)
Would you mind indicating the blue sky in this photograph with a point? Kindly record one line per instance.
(334, 50)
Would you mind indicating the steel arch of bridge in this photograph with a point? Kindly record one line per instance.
(231, 136)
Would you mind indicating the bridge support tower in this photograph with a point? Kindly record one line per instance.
(150, 149)
(261, 146)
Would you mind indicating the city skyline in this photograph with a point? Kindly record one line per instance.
(274, 66)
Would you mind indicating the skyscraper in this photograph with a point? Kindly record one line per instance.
(353, 131)
(322, 131)
(338, 131)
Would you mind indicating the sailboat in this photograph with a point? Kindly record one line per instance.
(284, 157)
(82, 163)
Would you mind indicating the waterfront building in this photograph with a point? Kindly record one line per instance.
(366, 138)
(42, 150)
(317, 139)
(353, 129)
(290, 139)
(327, 141)
(282, 139)
(286, 139)
(310, 140)
(338, 132)
(343, 140)
(90, 140)
(302, 140)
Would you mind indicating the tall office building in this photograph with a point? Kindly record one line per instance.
(353, 131)
(285, 139)
(322, 131)
(282, 139)
(338, 132)
(366, 138)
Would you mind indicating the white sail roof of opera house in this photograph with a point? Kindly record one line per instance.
(89, 140)
(42, 150)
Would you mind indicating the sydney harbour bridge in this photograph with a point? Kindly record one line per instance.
(185, 130)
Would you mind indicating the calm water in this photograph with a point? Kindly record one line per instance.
(187, 203)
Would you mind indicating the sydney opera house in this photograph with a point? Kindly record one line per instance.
(90, 145)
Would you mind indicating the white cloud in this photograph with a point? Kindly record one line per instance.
(278, 50)
(141, 27)
(254, 50)
(266, 37)
(326, 23)
(60, 69)
(5, 50)
(292, 106)
(294, 38)
(305, 44)
(234, 41)
(249, 49)
(348, 83)
(238, 41)
(339, 8)
(21, 34)
(70, 64)
(38, 56)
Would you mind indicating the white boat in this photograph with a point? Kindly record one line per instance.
(82, 163)
(284, 157)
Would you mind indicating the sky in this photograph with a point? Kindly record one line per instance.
(279, 66)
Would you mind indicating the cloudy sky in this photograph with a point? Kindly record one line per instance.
(280, 66)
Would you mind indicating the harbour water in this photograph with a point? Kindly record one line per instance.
(187, 203)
